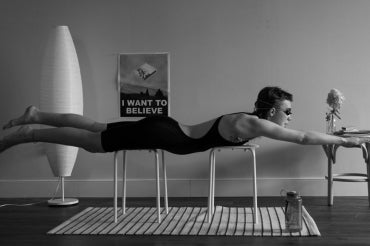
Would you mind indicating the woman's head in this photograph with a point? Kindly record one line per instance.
(271, 103)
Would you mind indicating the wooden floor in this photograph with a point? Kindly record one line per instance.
(346, 223)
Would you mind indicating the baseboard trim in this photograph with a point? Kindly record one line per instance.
(307, 186)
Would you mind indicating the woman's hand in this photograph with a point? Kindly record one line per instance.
(354, 141)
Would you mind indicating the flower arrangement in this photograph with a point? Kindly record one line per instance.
(335, 100)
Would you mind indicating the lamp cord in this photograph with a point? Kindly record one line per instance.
(30, 204)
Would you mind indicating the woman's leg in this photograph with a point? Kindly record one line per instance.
(33, 115)
(85, 139)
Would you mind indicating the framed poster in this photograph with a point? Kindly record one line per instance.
(143, 82)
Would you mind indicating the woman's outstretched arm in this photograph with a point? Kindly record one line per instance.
(271, 130)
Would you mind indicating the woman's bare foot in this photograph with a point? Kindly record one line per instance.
(23, 135)
(29, 117)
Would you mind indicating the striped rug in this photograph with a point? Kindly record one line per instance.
(226, 221)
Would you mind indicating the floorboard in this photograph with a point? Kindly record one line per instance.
(345, 223)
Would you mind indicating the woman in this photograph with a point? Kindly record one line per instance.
(270, 118)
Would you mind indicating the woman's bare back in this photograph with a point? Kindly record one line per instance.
(230, 127)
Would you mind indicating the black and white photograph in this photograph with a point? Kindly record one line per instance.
(185, 122)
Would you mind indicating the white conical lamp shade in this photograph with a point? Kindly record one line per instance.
(61, 92)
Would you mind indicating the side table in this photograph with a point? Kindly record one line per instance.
(330, 151)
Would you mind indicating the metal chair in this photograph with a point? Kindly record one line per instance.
(156, 154)
(212, 165)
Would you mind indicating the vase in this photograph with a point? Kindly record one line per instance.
(330, 125)
(61, 92)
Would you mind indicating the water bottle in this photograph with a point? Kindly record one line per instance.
(293, 211)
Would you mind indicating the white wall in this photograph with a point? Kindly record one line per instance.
(222, 54)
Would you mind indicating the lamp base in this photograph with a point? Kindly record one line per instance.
(61, 202)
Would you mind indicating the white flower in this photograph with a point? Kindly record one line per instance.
(335, 99)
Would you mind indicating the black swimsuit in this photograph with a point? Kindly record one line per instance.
(160, 132)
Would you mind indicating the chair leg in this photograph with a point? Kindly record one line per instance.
(255, 214)
(165, 182)
(124, 183)
(211, 186)
(213, 180)
(158, 187)
(115, 186)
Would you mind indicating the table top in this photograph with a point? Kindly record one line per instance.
(354, 133)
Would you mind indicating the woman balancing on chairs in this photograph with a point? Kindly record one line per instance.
(270, 118)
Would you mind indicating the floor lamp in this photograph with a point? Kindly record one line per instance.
(61, 92)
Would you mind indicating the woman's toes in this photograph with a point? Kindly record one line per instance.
(29, 117)
(8, 125)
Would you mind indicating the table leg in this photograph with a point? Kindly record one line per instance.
(330, 179)
(367, 159)
(368, 182)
